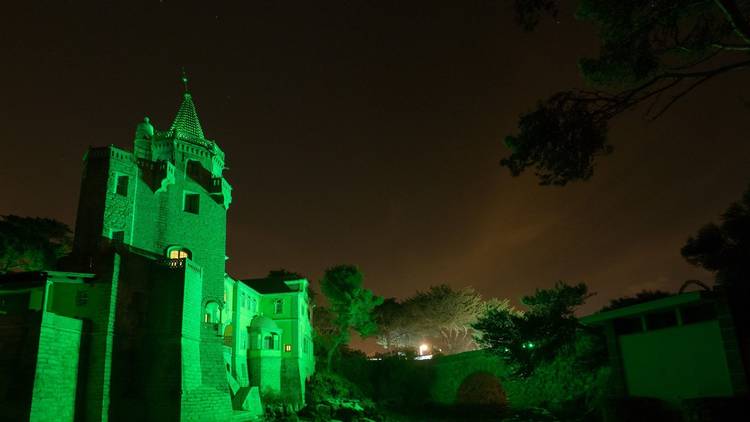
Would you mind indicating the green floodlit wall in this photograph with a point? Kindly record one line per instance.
(676, 363)
(54, 394)
(449, 372)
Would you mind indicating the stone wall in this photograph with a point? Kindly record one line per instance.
(451, 371)
(54, 393)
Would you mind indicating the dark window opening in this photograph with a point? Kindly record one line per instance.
(628, 326)
(82, 298)
(698, 313)
(122, 185)
(268, 343)
(278, 306)
(118, 236)
(193, 169)
(192, 202)
(658, 320)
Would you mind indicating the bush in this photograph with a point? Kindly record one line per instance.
(574, 381)
(331, 396)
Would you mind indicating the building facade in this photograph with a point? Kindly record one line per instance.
(675, 348)
(158, 330)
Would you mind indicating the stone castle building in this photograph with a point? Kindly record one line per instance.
(144, 323)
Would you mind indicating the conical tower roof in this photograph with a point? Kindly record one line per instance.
(186, 123)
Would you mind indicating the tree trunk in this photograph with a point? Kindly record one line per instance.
(331, 352)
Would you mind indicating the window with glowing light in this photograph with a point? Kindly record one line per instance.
(178, 252)
(287, 347)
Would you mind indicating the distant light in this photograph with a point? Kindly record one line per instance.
(423, 357)
(423, 348)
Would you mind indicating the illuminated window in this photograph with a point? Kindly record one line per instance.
(121, 187)
(287, 347)
(178, 253)
(191, 203)
(278, 306)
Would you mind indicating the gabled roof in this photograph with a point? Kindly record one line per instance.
(268, 285)
(186, 121)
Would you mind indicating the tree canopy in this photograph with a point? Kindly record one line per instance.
(534, 336)
(724, 248)
(652, 54)
(32, 244)
(351, 306)
(440, 315)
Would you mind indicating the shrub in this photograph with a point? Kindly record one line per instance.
(573, 381)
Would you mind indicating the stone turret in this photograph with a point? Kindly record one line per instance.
(143, 134)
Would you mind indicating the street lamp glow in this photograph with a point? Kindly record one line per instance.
(423, 349)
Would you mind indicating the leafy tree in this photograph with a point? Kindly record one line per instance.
(724, 249)
(536, 335)
(441, 314)
(653, 53)
(446, 314)
(351, 306)
(32, 244)
(640, 297)
(394, 324)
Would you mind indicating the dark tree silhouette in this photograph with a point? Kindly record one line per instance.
(32, 244)
(538, 334)
(351, 306)
(653, 53)
(724, 248)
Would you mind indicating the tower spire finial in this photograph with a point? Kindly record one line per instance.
(184, 79)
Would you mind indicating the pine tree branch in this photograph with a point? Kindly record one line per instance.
(733, 14)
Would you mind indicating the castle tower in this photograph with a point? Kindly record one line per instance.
(161, 210)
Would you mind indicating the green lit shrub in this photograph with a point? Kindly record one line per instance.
(574, 381)
(331, 396)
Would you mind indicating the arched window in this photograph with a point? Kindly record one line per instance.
(178, 252)
(212, 313)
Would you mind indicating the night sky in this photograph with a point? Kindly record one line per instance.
(369, 132)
